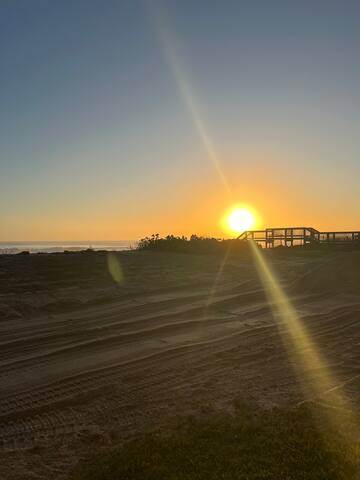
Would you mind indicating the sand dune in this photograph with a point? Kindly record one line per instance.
(84, 361)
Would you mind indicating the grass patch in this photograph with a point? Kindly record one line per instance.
(277, 444)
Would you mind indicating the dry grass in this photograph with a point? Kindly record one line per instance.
(271, 445)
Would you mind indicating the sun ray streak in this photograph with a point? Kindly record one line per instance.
(217, 280)
(168, 46)
(312, 369)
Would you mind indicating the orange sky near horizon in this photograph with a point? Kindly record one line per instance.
(199, 208)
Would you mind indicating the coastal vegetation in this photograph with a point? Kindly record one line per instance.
(192, 244)
(250, 444)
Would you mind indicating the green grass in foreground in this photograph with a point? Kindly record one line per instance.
(263, 445)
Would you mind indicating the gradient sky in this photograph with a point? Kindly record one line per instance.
(123, 118)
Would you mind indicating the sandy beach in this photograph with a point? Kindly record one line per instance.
(86, 361)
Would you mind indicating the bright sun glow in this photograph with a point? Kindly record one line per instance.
(240, 219)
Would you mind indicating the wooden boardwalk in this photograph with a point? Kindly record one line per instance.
(295, 236)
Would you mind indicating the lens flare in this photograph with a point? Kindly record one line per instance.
(168, 45)
(217, 279)
(115, 269)
(313, 370)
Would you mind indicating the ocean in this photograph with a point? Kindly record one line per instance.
(58, 246)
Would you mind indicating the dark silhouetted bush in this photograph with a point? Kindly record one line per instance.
(194, 244)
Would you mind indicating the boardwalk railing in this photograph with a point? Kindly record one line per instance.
(293, 236)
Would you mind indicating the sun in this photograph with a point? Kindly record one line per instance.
(239, 220)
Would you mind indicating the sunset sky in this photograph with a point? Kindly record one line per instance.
(123, 118)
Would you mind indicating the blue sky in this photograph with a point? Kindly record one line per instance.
(98, 141)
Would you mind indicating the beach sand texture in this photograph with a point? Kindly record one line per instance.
(85, 361)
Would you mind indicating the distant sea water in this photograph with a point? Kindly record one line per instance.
(52, 247)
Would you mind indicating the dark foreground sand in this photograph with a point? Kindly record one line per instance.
(85, 362)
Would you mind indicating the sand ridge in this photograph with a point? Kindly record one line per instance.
(85, 362)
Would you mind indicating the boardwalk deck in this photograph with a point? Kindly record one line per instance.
(295, 236)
